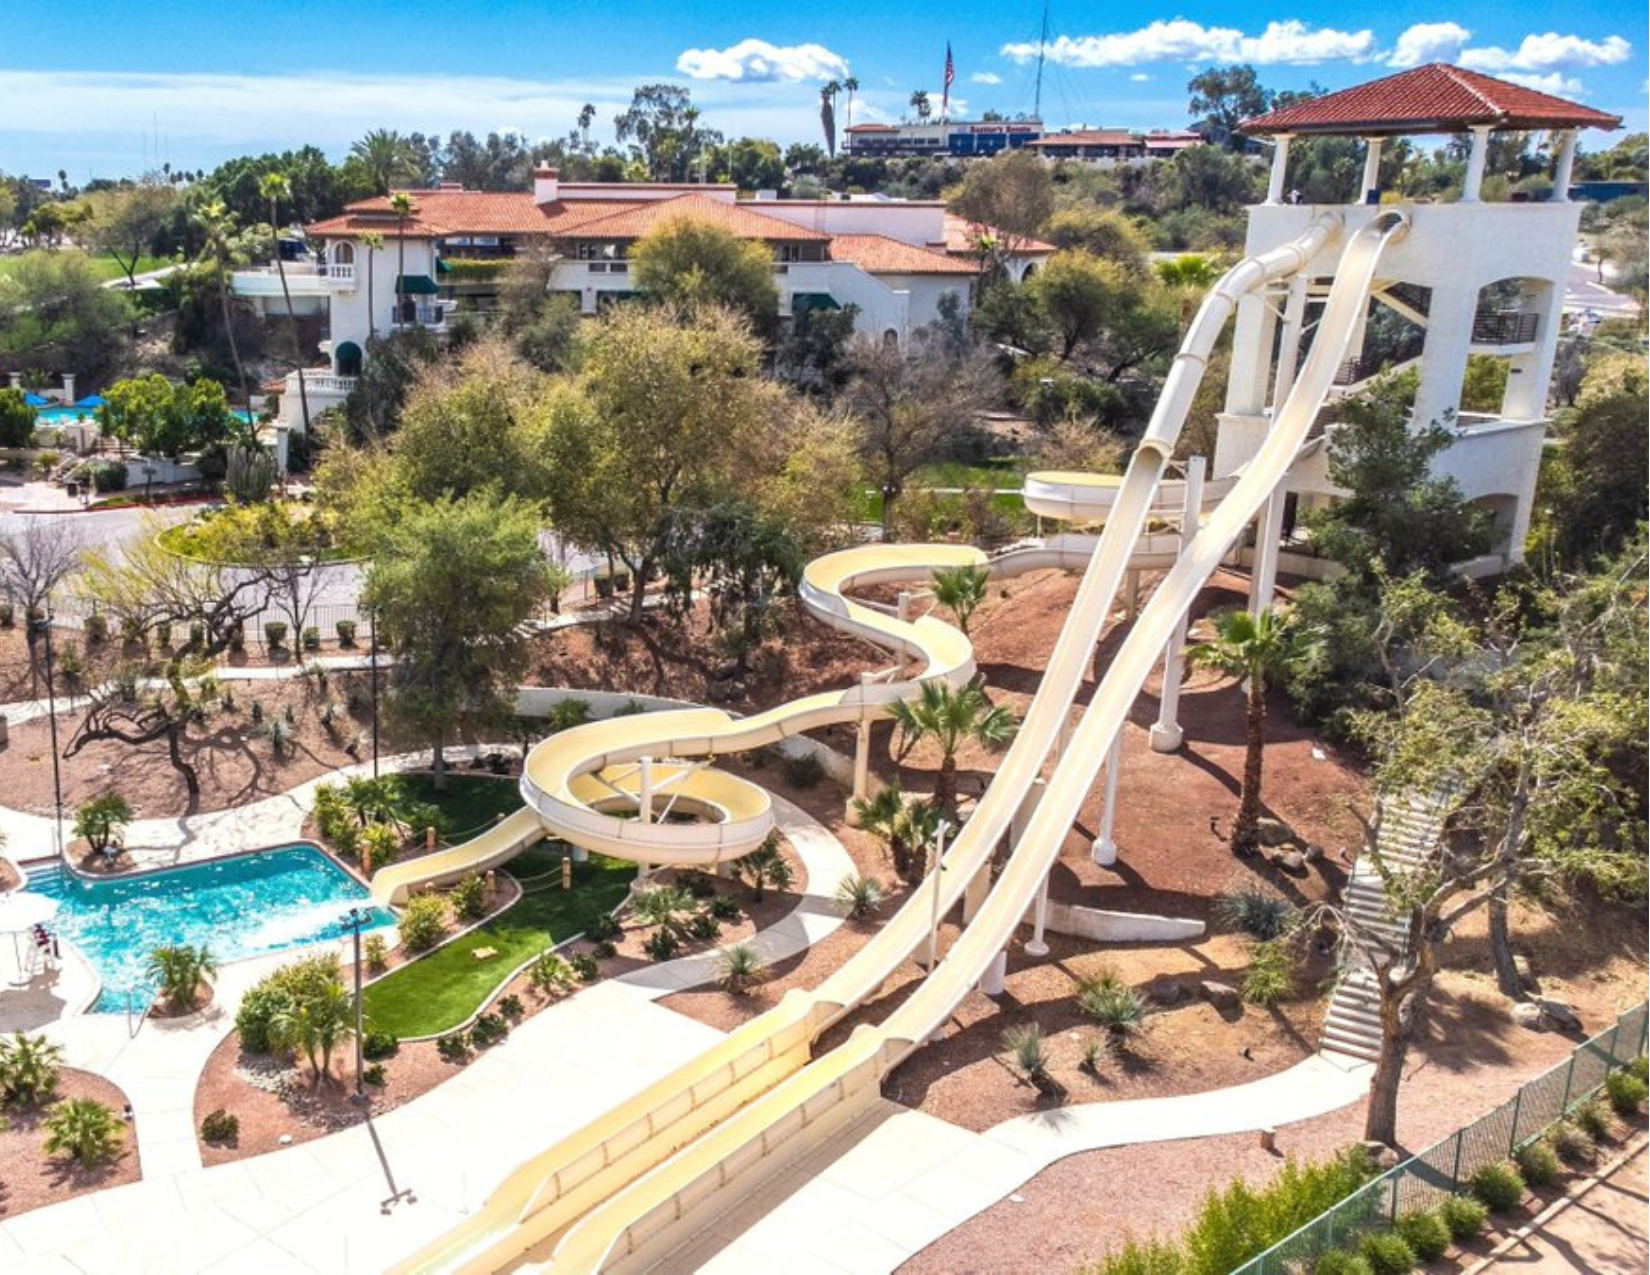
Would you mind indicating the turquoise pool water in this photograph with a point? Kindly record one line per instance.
(68, 415)
(250, 905)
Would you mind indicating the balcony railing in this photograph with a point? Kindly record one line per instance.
(321, 383)
(1504, 327)
(341, 270)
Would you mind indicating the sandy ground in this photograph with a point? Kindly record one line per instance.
(1603, 1230)
(29, 1178)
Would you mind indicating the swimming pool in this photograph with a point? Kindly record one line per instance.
(61, 416)
(249, 905)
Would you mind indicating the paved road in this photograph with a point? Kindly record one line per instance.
(1582, 291)
(1604, 1231)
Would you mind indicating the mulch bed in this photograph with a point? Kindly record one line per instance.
(29, 1178)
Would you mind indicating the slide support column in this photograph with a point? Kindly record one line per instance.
(1166, 733)
(1105, 847)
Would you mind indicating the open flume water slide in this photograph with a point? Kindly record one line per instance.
(617, 1191)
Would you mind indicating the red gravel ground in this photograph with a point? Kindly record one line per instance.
(29, 1178)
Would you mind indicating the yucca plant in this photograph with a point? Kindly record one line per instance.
(180, 970)
(664, 907)
(87, 1130)
(859, 896)
(28, 1068)
(740, 968)
(1120, 1009)
(1029, 1054)
(766, 867)
(281, 735)
(1257, 912)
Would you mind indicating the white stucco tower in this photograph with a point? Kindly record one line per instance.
(1470, 278)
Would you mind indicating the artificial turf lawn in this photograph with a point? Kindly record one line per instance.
(472, 803)
(440, 990)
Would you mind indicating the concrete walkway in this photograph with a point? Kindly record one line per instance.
(318, 1206)
(882, 1191)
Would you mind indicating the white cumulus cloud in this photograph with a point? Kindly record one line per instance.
(1549, 52)
(758, 62)
(1553, 82)
(985, 77)
(1179, 40)
(1429, 42)
(1140, 77)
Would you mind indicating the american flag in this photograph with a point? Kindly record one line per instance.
(950, 75)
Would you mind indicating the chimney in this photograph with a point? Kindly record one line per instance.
(546, 185)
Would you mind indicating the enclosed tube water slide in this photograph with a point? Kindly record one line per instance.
(617, 1188)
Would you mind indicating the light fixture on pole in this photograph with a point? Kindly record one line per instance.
(372, 660)
(43, 627)
(353, 920)
(934, 922)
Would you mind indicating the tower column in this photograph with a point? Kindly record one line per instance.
(1280, 167)
(1263, 576)
(1564, 166)
(1476, 159)
(1371, 192)
(1105, 846)
(1166, 733)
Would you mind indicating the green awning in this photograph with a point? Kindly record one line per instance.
(415, 285)
(802, 302)
(441, 266)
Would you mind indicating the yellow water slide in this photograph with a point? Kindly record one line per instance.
(541, 1198)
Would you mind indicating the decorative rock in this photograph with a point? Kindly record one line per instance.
(1313, 852)
(726, 671)
(285, 1139)
(1293, 862)
(1165, 989)
(1529, 1015)
(1559, 1015)
(1380, 1155)
(1273, 832)
(1220, 995)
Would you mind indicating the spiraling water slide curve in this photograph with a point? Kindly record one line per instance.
(616, 1192)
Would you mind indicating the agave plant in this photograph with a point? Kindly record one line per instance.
(859, 896)
(740, 968)
(1029, 1054)
(1117, 1007)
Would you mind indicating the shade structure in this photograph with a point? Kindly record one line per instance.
(23, 910)
(35, 400)
(91, 400)
(413, 285)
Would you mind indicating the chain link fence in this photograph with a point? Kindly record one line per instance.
(1444, 1169)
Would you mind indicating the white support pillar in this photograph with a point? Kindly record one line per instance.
(644, 808)
(1166, 733)
(1564, 168)
(1132, 596)
(1016, 830)
(1263, 575)
(992, 981)
(1280, 166)
(1372, 172)
(1035, 946)
(1105, 845)
(1472, 188)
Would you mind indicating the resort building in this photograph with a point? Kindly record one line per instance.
(1109, 146)
(957, 139)
(1469, 280)
(895, 261)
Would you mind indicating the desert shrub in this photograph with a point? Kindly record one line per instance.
(375, 1075)
(604, 949)
(220, 1126)
(1639, 1069)
(701, 885)
(704, 926)
(1257, 912)
(1426, 1234)
(1538, 1163)
(725, 909)
(1387, 1253)
(566, 713)
(376, 1045)
(376, 949)
(1142, 1257)
(860, 897)
(275, 634)
(1120, 1009)
(584, 965)
(803, 770)
(1571, 1143)
(274, 997)
(488, 1030)
(453, 1047)
(1029, 1055)
(662, 945)
(87, 1130)
(1271, 974)
(379, 843)
(1498, 1187)
(1464, 1216)
(511, 1007)
(740, 968)
(1339, 1262)
(1594, 1117)
(28, 1068)
(549, 974)
(423, 922)
(603, 926)
(1625, 1091)
(346, 633)
(469, 899)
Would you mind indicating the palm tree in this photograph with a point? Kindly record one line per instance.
(1256, 648)
(664, 906)
(587, 116)
(906, 826)
(950, 716)
(401, 205)
(852, 85)
(921, 105)
(766, 866)
(827, 114)
(28, 1068)
(388, 158)
(960, 590)
(371, 243)
(217, 251)
(275, 187)
(180, 971)
(315, 1023)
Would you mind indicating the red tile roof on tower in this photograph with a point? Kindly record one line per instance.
(1436, 98)
(878, 254)
(635, 220)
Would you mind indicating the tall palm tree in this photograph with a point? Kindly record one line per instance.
(1257, 648)
(371, 242)
(388, 158)
(275, 187)
(960, 590)
(908, 828)
(921, 105)
(852, 85)
(587, 116)
(827, 114)
(218, 251)
(401, 206)
(950, 717)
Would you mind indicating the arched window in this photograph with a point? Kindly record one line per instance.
(347, 359)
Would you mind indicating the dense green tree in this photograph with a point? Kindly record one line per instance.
(742, 560)
(1010, 196)
(1115, 319)
(16, 419)
(452, 583)
(56, 316)
(162, 419)
(688, 263)
(1102, 232)
(662, 127)
(1595, 485)
(1222, 97)
(318, 190)
(127, 221)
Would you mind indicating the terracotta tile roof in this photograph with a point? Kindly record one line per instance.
(637, 219)
(1090, 137)
(1436, 98)
(446, 212)
(878, 254)
(962, 238)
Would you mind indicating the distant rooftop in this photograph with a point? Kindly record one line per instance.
(1437, 98)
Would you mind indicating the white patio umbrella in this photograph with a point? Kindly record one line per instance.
(19, 911)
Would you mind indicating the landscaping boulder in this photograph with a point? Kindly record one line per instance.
(1220, 995)
(1559, 1015)
(1293, 862)
(1380, 1155)
(1165, 989)
(1313, 853)
(1528, 1014)
(1273, 832)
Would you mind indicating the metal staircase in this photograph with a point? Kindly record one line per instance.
(1409, 833)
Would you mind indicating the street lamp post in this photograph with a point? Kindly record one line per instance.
(372, 661)
(355, 918)
(934, 920)
(45, 629)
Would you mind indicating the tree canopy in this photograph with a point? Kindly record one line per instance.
(689, 263)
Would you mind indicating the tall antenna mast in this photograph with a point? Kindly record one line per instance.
(1042, 52)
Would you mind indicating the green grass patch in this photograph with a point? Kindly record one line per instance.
(105, 268)
(439, 991)
(1008, 473)
(469, 802)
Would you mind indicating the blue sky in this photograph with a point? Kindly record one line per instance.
(106, 87)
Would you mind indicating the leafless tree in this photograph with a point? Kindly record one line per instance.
(35, 558)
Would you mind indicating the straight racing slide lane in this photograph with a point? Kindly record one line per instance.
(541, 1197)
(643, 1224)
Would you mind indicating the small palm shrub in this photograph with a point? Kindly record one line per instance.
(724, 909)
(376, 1045)
(1339, 1262)
(1120, 1009)
(1626, 1092)
(860, 897)
(423, 922)
(1387, 1253)
(1258, 913)
(180, 971)
(1029, 1054)
(1571, 1143)
(1538, 1163)
(1426, 1234)
(605, 926)
(375, 949)
(549, 974)
(1271, 974)
(701, 885)
(704, 926)
(740, 968)
(488, 1030)
(765, 867)
(664, 906)
(85, 1129)
(469, 898)
(221, 1127)
(802, 771)
(28, 1068)
(1498, 1187)
(584, 965)
(1594, 1118)
(662, 945)
(1464, 1216)
(511, 1007)
(454, 1047)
